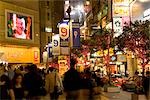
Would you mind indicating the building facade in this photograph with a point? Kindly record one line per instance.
(51, 13)
(19, 31)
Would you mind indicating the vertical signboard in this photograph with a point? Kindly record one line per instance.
(50, 50)
(56, 44)
(76, 34)
(121, 15)
(64, 34)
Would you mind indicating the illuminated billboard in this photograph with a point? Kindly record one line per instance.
(18, 25)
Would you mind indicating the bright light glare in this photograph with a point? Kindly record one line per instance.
(67, 2)
(80, 8)
(87, 2)
(143, 0)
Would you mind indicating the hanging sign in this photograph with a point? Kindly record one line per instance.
(56, 45)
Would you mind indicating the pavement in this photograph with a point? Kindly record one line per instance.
(114, 93)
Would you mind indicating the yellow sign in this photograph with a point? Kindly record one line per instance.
(20, 54)
(121, 11)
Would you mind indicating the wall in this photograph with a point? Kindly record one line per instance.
(18, 6)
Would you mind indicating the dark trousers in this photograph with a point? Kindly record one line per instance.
(54, 96)
(72, 95)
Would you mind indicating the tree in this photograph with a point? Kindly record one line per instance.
(136, 38)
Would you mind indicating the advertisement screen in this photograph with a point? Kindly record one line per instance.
(19, 26)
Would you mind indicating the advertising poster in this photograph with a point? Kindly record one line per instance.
(64, 34)
(56, 44)
(19, 26)
(76, 35)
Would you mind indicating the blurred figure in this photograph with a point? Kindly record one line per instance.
(146, 83)
(18, 87)
(11, 72)
(53, 79)
(6, 91)
(33, 83)
(72, 82)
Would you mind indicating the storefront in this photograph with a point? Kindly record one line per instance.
(20, 54)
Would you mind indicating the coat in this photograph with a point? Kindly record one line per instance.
(51, 82)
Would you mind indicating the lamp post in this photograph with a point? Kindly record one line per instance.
(69, 11)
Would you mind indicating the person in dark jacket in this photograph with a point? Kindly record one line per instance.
(6, 91)
(146, 83)
(72, 82)
(33, 83)
(18, 87)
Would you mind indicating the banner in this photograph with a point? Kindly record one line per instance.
(76, 34)
(50, 50)
(56, 44)
(64, 34)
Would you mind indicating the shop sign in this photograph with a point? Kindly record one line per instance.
(56, 44)
(64, 34)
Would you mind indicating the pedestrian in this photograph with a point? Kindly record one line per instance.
(6, 91)
(53, 80)
(18, 86)
(72, 82)
(11, 72)
(146, 83)
(33, 83)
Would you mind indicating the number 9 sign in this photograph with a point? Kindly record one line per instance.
(55, 43)
(64, 31)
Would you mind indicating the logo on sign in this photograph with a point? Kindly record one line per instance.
(64, 31)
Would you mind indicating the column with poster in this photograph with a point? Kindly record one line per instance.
(76, 35)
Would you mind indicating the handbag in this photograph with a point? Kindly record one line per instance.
(57, 89)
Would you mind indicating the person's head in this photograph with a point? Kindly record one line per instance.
(147, 73)
(50, 69)
(32, 68)
(2, 69)
(18, 78)
(19, 26)
(72, 62)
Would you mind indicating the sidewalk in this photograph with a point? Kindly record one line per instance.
(113, 93)
(118, 94)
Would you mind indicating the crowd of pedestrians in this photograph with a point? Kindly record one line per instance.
(31, 83)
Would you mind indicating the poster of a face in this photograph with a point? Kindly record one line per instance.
(19, 26)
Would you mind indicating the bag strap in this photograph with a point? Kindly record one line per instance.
(55, 80)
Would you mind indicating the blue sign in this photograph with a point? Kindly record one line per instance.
(76, 35)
